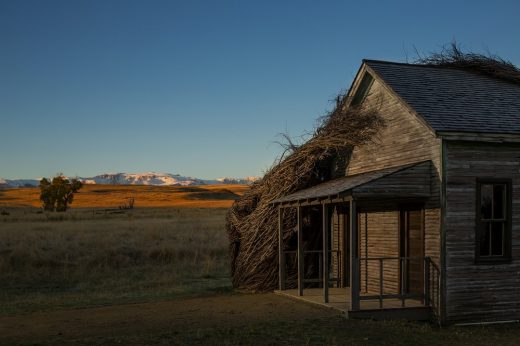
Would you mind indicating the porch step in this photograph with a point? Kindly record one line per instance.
(340, 306)
(423, 313)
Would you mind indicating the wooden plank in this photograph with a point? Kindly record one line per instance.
(354, 257)
(325, 230)
(335, 244)
(427, 281)
(300, 250)
(410, 313)
(281, 255)
(442, 260)
(344, 227)
(480, 137)
(413, 181)
(379, 236)
(381, 283)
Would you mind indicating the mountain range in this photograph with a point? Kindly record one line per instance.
(149, 178)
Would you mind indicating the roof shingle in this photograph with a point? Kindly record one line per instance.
(454, 100)
(339, 185)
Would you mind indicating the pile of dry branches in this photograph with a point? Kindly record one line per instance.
(490, 65)
(252, 222)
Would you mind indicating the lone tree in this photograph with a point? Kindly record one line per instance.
(57, 194)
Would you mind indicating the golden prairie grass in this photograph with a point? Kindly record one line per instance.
(112, 196)
(80, 258)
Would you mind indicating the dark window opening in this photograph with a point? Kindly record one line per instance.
(362, 90)
(493, 220)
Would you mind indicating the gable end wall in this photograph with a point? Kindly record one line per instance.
(404, 140)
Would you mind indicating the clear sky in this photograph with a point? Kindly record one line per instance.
(201, 88)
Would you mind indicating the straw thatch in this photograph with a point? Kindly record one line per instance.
(252, 223)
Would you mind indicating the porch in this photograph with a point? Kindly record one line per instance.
(339, 299)
(375, 266)
(375, 299)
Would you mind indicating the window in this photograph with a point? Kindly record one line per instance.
(493, 220)
(362, 90)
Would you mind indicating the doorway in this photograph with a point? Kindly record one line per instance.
(412, 248)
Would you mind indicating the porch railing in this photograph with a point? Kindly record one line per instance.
(387, 281)
(432, 290)
(290, 260)
(399, 286)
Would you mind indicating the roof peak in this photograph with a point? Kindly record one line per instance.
(368, 61)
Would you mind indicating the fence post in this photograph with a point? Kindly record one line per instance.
(320, 268)
(427, 281)
(300, 251)
(381, 286)
(403, 278)
(437, 286)
(281, 254)
(354, 258)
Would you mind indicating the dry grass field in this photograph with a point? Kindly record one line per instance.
(79, 259)
(173, 243)
(112, 196)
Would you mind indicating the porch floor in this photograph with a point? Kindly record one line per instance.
(339, 299)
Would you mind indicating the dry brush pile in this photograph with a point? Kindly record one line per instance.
(490, 65)
(252, 222)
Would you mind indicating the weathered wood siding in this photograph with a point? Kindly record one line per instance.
(410, 182)
(337, 244)
(379, 237)
(478, 292)
(404, 140)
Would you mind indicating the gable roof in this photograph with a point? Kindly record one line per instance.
(453, 100)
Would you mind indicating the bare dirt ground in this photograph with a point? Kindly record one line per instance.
(133, 319)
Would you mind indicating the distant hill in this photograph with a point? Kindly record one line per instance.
(149, 178)
(232, 181)
(11, 183)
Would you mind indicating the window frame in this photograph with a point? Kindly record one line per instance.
(506, 257)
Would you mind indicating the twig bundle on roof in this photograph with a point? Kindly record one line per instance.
(491, 65)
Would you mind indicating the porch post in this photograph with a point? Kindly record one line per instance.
(300, 251)
(281, 255)
(354, 257)
(426, 263)
(325, 223)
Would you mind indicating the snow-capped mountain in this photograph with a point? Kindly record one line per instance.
(149, 178)
(9, 183)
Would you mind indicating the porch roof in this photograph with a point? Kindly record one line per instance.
(412, 180)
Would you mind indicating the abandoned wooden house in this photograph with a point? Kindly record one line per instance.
(425, 219)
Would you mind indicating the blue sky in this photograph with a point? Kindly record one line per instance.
(201, 88)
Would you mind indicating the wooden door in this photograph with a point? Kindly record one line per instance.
(412, 247)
